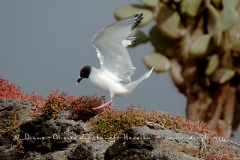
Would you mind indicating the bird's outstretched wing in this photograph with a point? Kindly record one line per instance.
(110, 44)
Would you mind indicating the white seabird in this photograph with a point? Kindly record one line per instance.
(114, 76)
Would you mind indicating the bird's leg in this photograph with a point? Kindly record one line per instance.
(104, 105)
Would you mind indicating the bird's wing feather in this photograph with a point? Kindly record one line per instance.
(110, 44)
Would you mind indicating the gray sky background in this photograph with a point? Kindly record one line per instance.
(44, 44)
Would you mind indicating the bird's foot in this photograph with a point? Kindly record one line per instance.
(108, 104)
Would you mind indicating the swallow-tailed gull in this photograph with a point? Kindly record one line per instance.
(114, 76)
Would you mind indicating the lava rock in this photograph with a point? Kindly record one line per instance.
(146, 143)
(43, 135)
(10, 108)
(93, 150)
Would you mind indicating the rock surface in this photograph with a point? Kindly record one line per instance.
(63, 138)
(91, 150)
(8, 109)
(145, 143)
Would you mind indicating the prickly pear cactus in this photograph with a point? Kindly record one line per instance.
(198, 42)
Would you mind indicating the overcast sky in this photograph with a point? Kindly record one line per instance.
(45, 43)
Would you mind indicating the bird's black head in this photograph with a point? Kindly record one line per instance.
(84, 73)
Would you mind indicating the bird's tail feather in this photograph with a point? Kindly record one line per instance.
(134, 84)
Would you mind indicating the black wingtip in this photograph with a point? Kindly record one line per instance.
(136, 40)
(139, 15)
(138, 20)
(133, 40)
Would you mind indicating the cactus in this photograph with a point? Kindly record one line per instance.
(198, 42)
(160, 62)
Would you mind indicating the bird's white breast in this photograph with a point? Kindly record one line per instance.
(107, 82)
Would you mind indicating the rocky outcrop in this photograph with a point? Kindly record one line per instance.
(90, 150)
(10, 107)
(12, 113)
(62, 138)
(146, 143)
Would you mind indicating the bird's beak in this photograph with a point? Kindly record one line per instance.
(79, 80)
